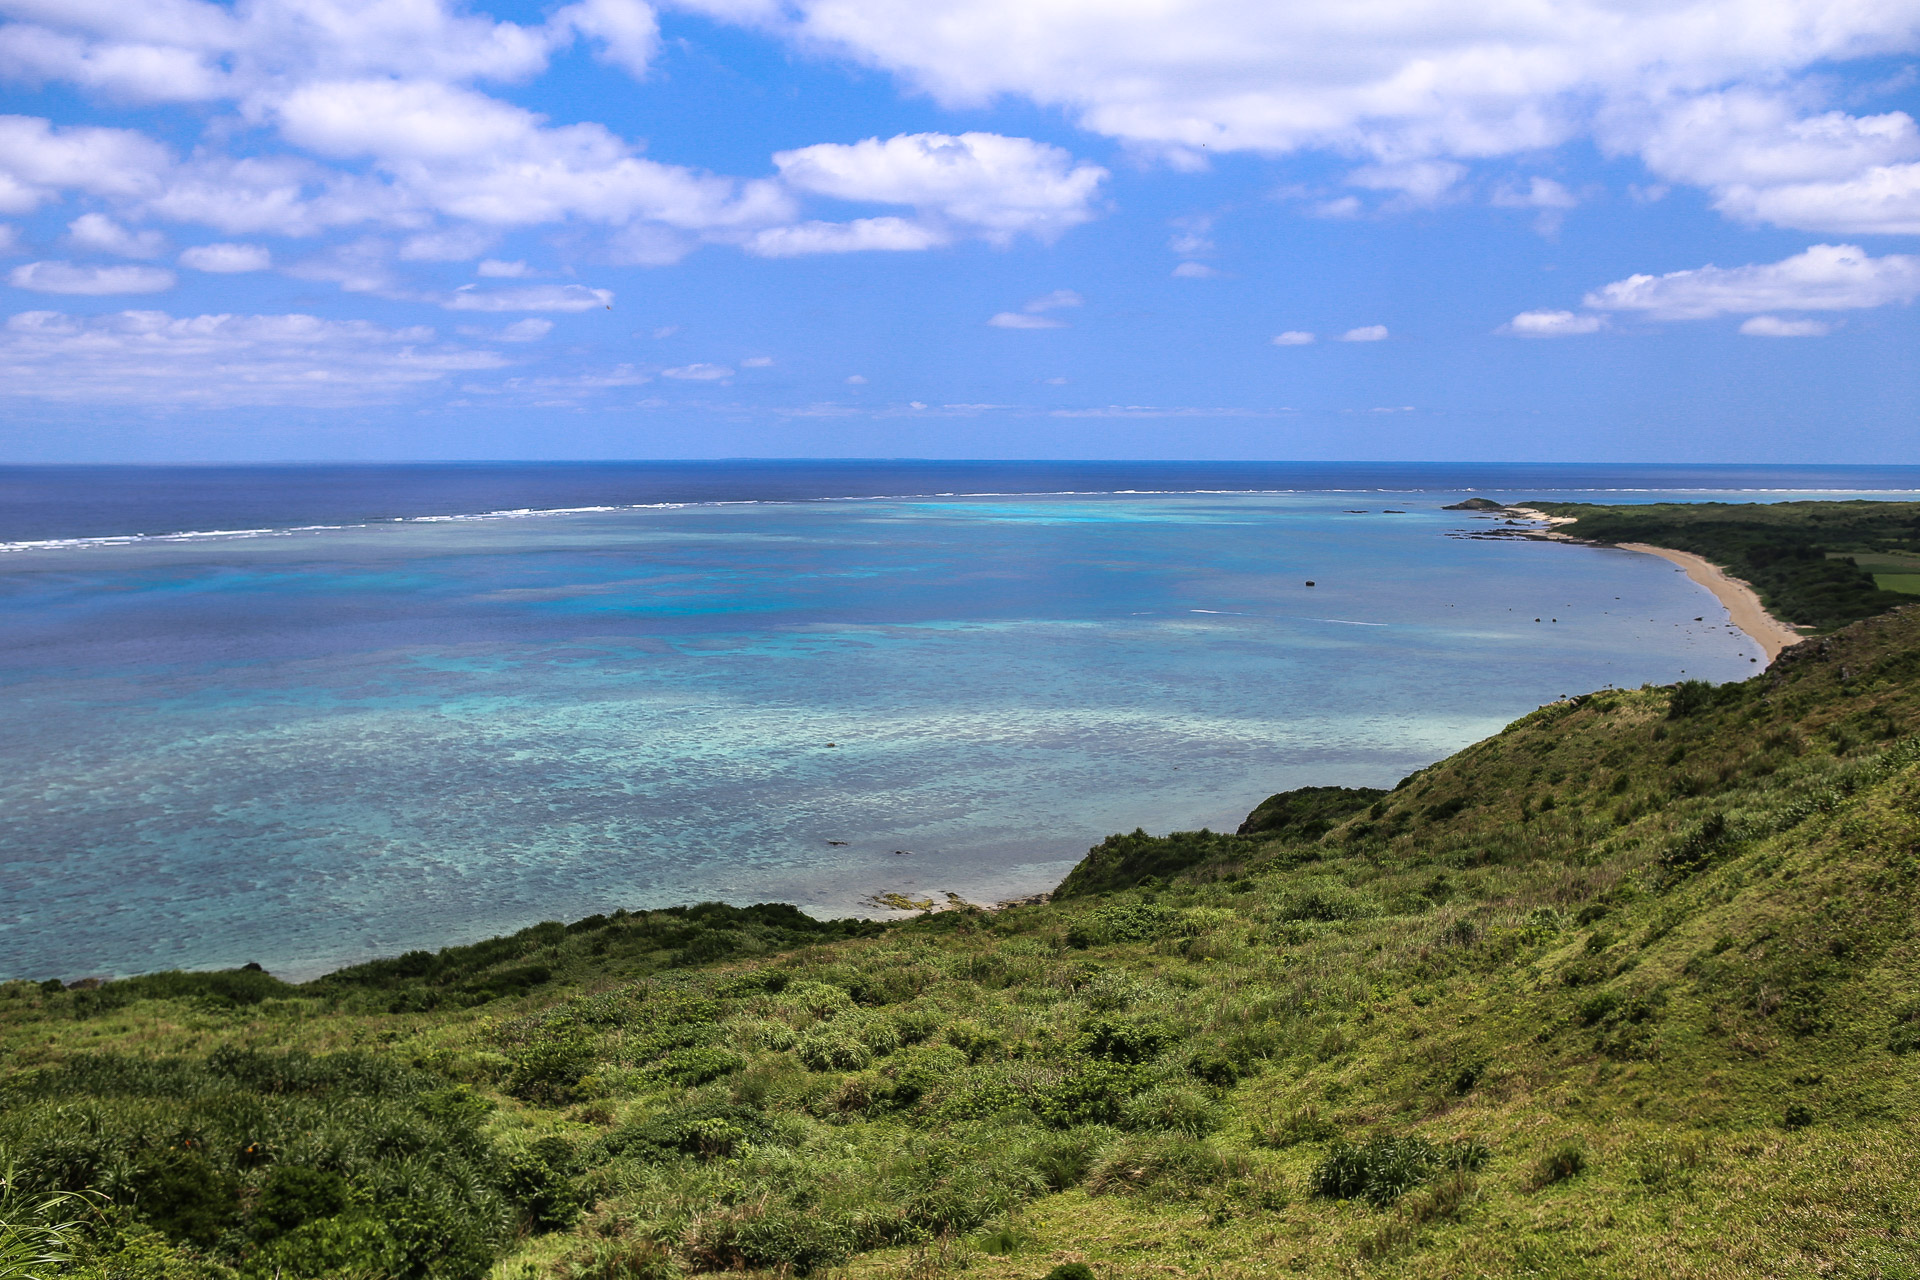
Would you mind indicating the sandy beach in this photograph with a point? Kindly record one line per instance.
(1741, 601)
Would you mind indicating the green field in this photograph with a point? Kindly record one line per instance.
(1630, 989)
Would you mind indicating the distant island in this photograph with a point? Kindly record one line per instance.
(1631, 988)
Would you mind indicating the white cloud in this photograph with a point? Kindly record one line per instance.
(227, 259)
(539, 297)
(756, 362)
(532, 329)
(1884, 200)
(494, 268)
(1775, 327)
(1031, 316)
(698, 373)
(1539, 193)
(1292, 338)
(856, 380)
(1552, 324)
(97, 233)
(627, 32)
(1765, 160)
(1827, 277)
(38, 160)
(1022, 320)
(1194, 271)
(9, 238)
(65, 277)
(1406, 84)
(1054, 301)
(1366, 333)
(982, 183)
(152, 358)
(1191, 235)
(448, 244)
(860, 235)
(1419, 181)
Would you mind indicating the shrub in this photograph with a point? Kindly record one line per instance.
(1070, 1271)
(1175, 1108)
(699, 1065)
(1567, 1160)
(550, 1067)
(830, 1048)
(1689, 698)
(1385, 1167)
(1063, 1160)
(186, 1197)
(293, 1196)
(1170, 1165)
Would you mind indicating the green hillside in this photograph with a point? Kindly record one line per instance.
(1820, 565)
(1630, 989)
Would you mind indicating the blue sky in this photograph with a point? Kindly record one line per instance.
(1558, 230)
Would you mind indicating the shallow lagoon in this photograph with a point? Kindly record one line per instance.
(313, 747)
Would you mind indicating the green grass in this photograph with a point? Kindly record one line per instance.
(1907, 584)
(1630, 989)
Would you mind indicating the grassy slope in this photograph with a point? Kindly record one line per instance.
(1798, 555)
(1677, 953)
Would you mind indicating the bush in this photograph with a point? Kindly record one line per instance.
(697, 1066)
(1175, 1108)
(830, 1048)
(1070, 1271)
(1567, 1160)
(1168, 1165)
(294, 1196)
(1385, 1168)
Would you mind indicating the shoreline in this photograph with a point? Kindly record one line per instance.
(1738, 598)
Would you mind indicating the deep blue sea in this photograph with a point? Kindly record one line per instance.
(308, 715)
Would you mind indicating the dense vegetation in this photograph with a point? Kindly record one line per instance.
(1629, 989)
(1813, 563)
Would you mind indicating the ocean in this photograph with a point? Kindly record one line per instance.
(308, 715)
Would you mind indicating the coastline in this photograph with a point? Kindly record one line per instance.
(1738, 598)
(1741, 601)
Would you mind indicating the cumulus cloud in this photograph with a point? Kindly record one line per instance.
(1292, 338)
(1366, 333)
(227, 259)
(97, 233)
(1827, 277)
(539, 297)
(496, 269)
(1775, 327)
(151, 357)
(984, 184)
(1415, 88)
(698, 373)
(39, 160)
(1552, 324)
(65, 277)
(859, 236)
(757, 362)
(1194, 271)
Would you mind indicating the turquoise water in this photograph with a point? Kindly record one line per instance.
(317, 746)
